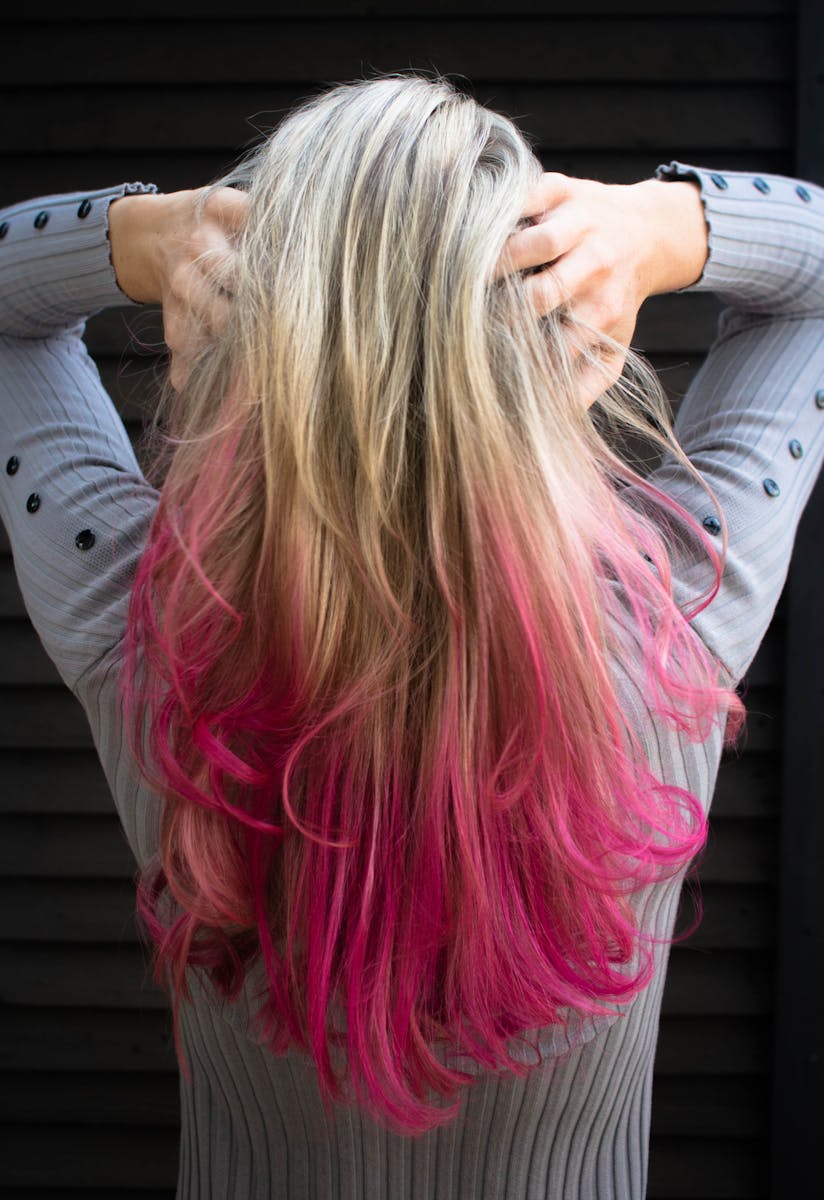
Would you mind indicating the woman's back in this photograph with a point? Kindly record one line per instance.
(254, 1124)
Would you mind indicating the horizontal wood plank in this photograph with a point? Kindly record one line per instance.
(29, 778)
(90, 1098)
(25, 662)
(134, 382)
(46, 718)
(27, 174)
(81, 1158)
(68, 910)
(58, 1193)
(718, 982)
(157, 10)
(136, 1040)
(77, 975)
(747, 788)
(735, 915)
(670, 324)
(740, 852)
(707, 1169)
(762, 730)
(617, 47)
(78, 846)
(23, 657)
(737, 1044)
(57, 846)
(147, 1157)
(710, 1107)
(564, 116)
(139, 1040)
(103, 910)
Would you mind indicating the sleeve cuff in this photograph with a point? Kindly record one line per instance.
(55, 260)
(764, 236)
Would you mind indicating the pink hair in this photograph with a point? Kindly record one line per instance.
(440, 891)
(410, 790)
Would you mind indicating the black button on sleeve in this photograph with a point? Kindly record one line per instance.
(803, 193)
(84, 209)
(771, 487)
(33, 503)
(712, 524)
(796, 449)
(12, 465)
(761, 185)
(41, 219)
(719, 181)
(4, 228)
(819, 399)
(84, 539)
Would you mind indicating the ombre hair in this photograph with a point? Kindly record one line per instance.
(373, 638)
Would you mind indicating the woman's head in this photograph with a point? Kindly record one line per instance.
(379, 614)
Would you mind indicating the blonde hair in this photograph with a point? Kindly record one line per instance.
(374, 626)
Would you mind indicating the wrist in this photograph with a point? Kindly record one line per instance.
(677, 244)
(135, 225)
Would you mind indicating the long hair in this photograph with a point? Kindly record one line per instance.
(372, 640)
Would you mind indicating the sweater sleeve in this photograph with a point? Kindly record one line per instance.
(74, 503)
(752, 421)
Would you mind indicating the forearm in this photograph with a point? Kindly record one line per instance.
(678, 242)
(148, 233)
(751, 422)
(55, 268)
(135, 224)
(765, 235)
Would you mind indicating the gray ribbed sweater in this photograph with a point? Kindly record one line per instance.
(753, 424)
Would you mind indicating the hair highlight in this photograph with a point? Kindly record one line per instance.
(371, 640)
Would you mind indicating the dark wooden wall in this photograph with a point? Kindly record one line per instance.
(88, 1090)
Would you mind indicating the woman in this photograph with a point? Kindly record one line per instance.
(409, 688)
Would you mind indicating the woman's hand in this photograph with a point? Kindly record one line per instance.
(165, 252)
(605, 248)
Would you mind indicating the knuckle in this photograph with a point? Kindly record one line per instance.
(546, 242)
(543, 292)
(607, 311)
(601, 263)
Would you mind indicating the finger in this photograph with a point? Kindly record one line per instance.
(219, 260)
(566, 281)
(200, 297)
(185, 331)
(228, 207)
(598, 363)
(176, 331)
(180, 367)
(557, 234)
(597, 372)
(550, 189)
(547, 291)
(213, 285)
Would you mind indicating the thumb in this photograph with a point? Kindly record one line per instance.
(228, 208)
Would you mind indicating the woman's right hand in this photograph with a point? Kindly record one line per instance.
(167, 249)
(605, 248)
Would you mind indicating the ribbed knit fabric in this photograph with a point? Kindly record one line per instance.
(752, 422)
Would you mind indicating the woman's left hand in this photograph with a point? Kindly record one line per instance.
(167, 251)
(587, 237)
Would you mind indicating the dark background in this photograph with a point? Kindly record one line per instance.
(88, 1080)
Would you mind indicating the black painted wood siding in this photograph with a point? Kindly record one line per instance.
(88, 1089)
